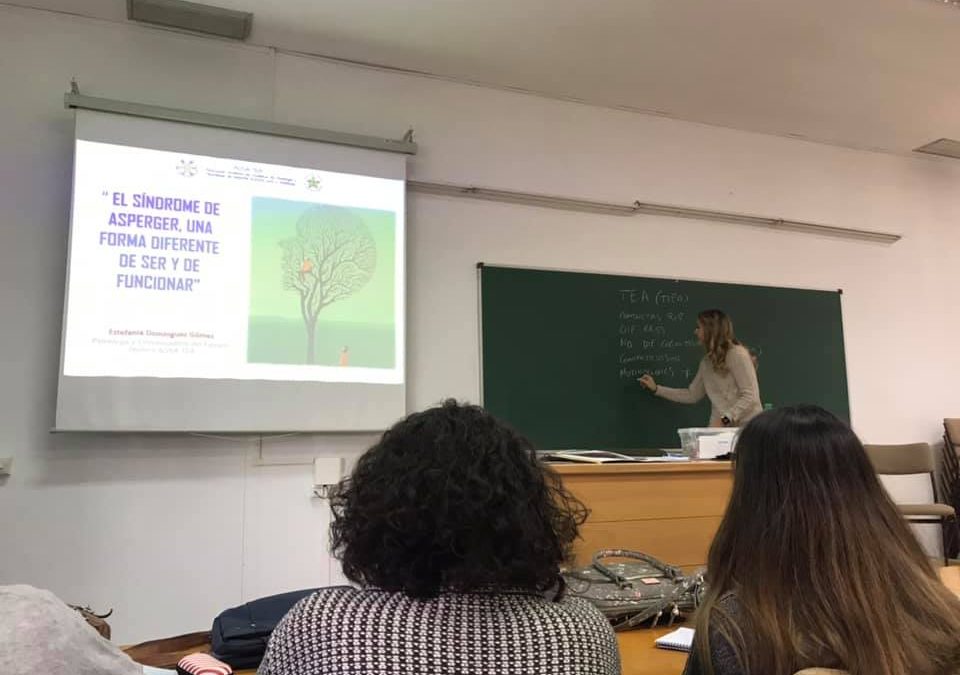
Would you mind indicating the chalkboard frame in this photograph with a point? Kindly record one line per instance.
(549, 422)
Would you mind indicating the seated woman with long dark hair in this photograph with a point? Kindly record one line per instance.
(454, 532)
(814, 566)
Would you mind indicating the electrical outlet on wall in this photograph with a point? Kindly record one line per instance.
(327, 470)
(6, 466)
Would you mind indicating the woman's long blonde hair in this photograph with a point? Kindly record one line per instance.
(718, 337)
(819, 561)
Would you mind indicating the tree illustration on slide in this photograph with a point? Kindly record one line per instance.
(330, 258)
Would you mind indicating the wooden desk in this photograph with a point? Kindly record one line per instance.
(669, 510)
(639, 656)
(950, 576)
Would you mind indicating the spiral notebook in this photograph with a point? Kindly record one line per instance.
(680, 640)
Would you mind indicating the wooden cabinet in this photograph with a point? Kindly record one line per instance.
(670, 511)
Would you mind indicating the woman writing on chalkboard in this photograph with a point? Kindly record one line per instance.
(726, 375)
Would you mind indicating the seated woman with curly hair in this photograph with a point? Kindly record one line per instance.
(454, 532)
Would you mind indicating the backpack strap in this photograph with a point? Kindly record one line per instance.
(669, 571)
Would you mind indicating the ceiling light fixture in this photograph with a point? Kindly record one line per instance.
(192, 16)
(945, 147)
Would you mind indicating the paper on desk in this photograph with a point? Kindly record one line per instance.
(715, 444)
(667, 458)
(680, 640)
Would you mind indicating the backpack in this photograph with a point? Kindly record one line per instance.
(634, 592)
(240, 634)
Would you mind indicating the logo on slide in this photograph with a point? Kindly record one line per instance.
(314, 183)
(187, 168)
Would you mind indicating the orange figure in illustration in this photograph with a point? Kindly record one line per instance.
(345, 356)
(306, 268)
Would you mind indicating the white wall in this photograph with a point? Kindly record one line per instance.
(114, 521)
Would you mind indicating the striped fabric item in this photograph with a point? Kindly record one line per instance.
(202, 664)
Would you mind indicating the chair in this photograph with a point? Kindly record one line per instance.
(913, 458)
(951, 429)
(950, 479)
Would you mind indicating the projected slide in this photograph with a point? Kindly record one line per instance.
(190, 266)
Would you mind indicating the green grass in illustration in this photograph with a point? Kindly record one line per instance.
(275, 340)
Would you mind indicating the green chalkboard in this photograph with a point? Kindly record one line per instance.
(562, 352)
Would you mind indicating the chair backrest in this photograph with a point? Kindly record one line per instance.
(951, 425)
(950, 469)
(901, 459)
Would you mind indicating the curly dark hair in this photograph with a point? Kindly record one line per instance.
(453, 499)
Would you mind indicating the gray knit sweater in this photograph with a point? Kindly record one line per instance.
(40, 635)
(340, 631)
(723, 657)
(734, 393)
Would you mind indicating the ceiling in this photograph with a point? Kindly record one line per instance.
(874, 74)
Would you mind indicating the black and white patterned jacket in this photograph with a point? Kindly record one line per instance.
(343, 630)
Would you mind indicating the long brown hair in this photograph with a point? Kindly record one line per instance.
(819, 561)
(718, 337)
